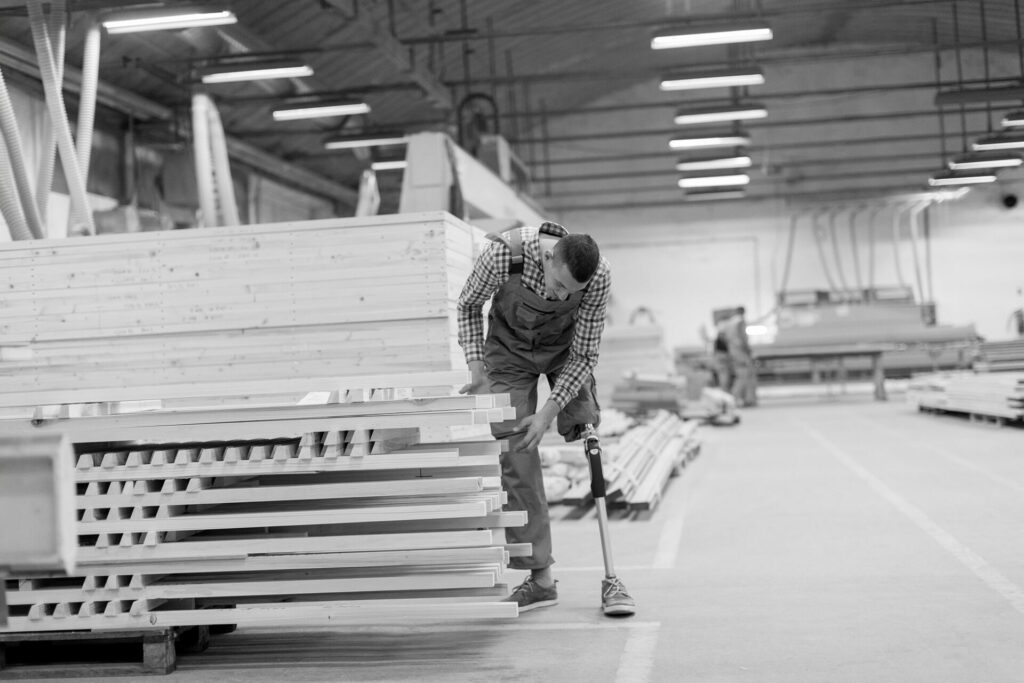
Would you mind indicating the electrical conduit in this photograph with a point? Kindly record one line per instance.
(58, 117)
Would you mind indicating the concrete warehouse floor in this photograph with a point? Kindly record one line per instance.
(841, 541)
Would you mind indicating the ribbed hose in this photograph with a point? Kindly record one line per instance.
(914, 213)
(10, 204)
(12, 138)
(821, 251)
(58, 116)
(856, 247)
(48, 155)
(87, 103)
(834, 236)
(222, 166)
(201, 157)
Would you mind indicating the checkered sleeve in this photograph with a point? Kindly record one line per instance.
(489, 272)
(587, 339)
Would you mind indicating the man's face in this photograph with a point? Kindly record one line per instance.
(558, 281)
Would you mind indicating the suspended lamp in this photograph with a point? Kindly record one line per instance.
(743, 112)
(165, 19)
(721, 78)
(696, 37)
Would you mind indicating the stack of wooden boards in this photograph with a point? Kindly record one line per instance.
(278, 308)
(998, 395)
(337, 513)
(999, 356)
(630, 350)
(639, 463)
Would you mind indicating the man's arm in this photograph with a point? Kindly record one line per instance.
(482, 282)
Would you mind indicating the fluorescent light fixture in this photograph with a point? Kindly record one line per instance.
(949, 178)
(713, 79)
(712, 194)
(728, 140)
(396, 165)
(714, 181)
(980, 160)
(713, 164)
(757, 330)
(315, 110)
(354, 141)
(746, 112)
(255, 71)
(1014, 119)
(164, 19)
(697, 37)
(998, 142)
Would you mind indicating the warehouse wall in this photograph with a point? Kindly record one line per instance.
(683, 260)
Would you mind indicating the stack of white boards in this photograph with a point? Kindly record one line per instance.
(336, 513)
(988, 394)
(281, 308)
(640, 463)
(630, 350)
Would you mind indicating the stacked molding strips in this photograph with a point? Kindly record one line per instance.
(338, 513)
(276, 308)
(630, 350)
(987, 394)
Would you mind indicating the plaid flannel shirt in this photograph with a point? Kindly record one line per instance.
(491, 271)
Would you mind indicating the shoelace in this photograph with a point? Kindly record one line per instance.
(614, 587)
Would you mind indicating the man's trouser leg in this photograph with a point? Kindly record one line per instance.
(521, 474)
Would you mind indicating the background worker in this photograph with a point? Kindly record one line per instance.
(550, 292)
(744, 379)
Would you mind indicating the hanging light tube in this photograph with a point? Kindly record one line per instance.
(1014, 119)
(354, 141)
(165, 19)
(945, 178)
(396, 165)
(745, 112)
(998, 142)
(697, 37)
(713, 164)
(314, 110)
(727, 140)
(714, 181)
(713, 79)
(255, 71)
(981, 160)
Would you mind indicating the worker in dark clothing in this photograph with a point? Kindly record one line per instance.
(744, 379)
(550, 291)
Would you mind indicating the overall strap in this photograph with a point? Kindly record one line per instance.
(512, 239)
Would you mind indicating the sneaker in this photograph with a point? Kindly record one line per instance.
(529, 595)
(615, 601)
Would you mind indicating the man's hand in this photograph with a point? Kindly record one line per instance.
(478, 381)
(535, 425)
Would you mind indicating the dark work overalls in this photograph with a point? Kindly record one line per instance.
(529, 336)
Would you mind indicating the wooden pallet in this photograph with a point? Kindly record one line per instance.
(90, 653)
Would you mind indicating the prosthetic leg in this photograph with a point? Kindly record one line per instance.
(615, 601)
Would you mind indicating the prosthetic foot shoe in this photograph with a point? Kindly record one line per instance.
(529, 595)
(615, 601)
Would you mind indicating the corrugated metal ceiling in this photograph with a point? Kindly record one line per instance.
(539, 61)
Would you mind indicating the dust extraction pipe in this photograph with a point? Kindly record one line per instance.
(48, 155)
(10, 204)
(914, 213)
(58, 116)
(222, 166)
(201, 157)
(87, 102)
(17, 172)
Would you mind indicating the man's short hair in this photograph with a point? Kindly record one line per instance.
(580, 254)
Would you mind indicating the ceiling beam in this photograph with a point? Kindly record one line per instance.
(393, 50)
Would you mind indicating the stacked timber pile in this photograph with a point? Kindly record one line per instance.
(641, 393)
(630, 350)
(1000, 356)
(999, 394)
(282, 308)
(337, 513)
(639, 464)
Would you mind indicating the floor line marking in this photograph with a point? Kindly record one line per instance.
(991, 576)
(998, 479)
(637, 657)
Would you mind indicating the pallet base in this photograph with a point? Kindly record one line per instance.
(72, 654)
